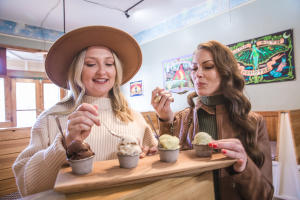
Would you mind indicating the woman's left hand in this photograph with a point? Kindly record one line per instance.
(232, 148)
(148, 151)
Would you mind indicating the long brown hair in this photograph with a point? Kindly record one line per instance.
(237, 104)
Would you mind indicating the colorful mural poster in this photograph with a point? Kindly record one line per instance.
(136, 88)
(266, 59)
(177, 74)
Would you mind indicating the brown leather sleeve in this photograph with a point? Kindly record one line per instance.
(253, 182)
(172, 128)
(182, 127)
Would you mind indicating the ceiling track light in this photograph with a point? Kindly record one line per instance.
(126, 11)
(113, 8)
(126, 14)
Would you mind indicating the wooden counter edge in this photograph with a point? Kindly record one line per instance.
(93, 186)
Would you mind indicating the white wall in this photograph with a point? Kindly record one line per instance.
(255, 19)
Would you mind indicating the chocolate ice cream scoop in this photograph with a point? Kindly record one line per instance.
(78, 150)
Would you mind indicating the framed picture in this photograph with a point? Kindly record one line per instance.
(177, 74)
(266, 59)
(136, 88)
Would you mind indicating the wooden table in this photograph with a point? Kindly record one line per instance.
(190, 187)
(151, 179)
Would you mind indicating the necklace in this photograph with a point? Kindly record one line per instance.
(111, 131)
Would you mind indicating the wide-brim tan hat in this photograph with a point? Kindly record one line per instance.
(63, 51)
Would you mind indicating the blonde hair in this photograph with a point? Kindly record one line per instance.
(119, 103)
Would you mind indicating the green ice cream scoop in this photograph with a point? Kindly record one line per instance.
(169, 142)
(202, 138)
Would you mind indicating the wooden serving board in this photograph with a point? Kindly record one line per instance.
(108, 173)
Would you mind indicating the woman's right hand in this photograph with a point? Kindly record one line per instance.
(161, 100)
(80, 122)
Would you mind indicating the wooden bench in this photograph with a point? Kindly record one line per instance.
(12, 142)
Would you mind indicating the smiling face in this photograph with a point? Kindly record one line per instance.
(99, 71)
(204, 74)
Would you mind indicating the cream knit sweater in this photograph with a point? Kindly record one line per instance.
(37, 166)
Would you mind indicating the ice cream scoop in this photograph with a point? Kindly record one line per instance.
(129, 146)
(202, 138)
(200, 144)
(169, 142)
(168, 148)
(128, 152)
(80, 157)
(79, 150)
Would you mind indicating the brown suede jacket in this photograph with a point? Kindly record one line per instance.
(253, 183)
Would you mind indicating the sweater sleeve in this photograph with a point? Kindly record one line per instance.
(148, 137)
(37, 166)
(253, 182)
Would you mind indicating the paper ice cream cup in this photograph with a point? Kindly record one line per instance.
(202, 150)
(82, 166)
(127, 161)
(168, 155)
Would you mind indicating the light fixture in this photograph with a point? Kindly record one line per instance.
(126, 14)
(113, 8)
(126, 11)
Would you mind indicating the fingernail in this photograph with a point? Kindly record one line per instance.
(210, 144)
(224, 151)
(215, 146)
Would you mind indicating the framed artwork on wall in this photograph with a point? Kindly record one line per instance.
(177, 74)
(136, 88)
(266, 59)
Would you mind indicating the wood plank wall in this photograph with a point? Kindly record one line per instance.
(153, 118)
(12, 142)
(295, 123)
(272, 119)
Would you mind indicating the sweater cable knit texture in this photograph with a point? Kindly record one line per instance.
(37, 166)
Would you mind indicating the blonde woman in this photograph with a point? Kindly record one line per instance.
(93, 62)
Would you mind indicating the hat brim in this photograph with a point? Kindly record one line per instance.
(63, 51)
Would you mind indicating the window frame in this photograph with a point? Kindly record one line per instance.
(10, 80)
(63, 92)
(8, 103)
(10, 88)
(38, 107)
